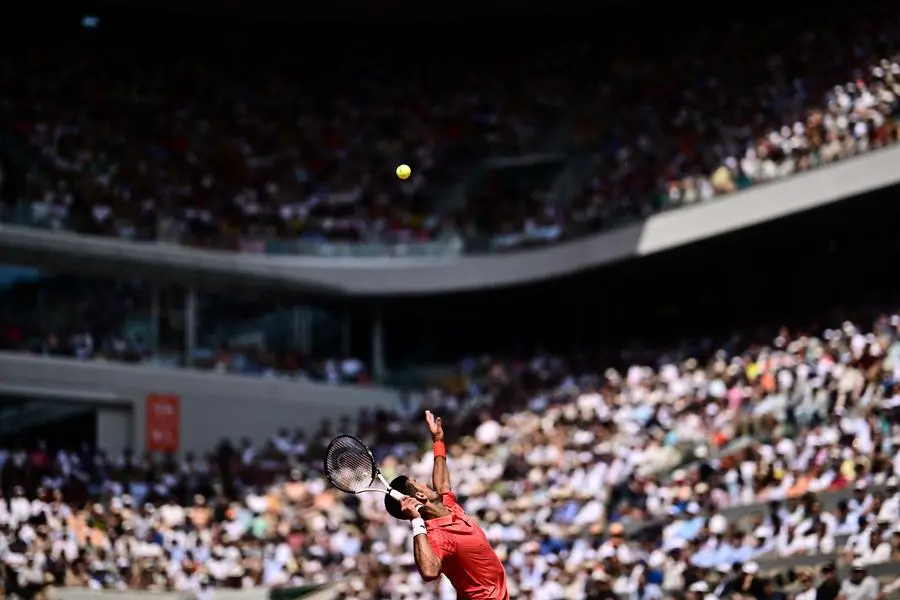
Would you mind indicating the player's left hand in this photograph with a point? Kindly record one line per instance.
(410, 508)
(435, 426)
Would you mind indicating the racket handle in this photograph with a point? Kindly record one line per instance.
(398, 496)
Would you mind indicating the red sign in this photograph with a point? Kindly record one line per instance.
(163, 423)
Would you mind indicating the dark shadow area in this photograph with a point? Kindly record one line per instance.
(809, 269)
(58, 425)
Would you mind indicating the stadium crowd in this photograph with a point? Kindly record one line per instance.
(590, 485)
(683, 477)
(218, 153)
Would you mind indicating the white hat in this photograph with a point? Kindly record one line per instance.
(751, 568)
(677, 544)
(699, 586)
(718, 524)
(858, 565)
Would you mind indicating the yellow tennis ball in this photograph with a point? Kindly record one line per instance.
(403, 171)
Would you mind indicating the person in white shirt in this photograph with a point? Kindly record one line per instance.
(860, 585)
(846, 522)
(890, 508)
(816, 540)
(857, 542)
(488, 432)
(861, 501)
(19, 506)
(819, 540)
(817, 515)
(878, 551)
(807, 587)
(204, 591)
(172, 514)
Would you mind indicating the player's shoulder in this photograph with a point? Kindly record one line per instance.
(450, 501)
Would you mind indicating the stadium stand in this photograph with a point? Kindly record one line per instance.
(762, 463)
(693, 471)
(232, 156)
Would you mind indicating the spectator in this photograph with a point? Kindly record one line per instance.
(860, 585)
(830, 587)
(807, 590)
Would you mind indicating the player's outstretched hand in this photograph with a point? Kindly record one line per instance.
(410, 507)
(435, 426)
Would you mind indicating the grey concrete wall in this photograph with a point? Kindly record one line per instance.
(213, 405)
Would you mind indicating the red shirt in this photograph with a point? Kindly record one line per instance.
(467, 558)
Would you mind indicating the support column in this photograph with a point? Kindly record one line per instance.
(378, 367)
(579, 327)
(346, 334)
(190, 325)
(302, 325)
(154, 322)
(296, 329)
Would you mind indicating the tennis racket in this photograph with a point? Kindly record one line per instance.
(351, 468)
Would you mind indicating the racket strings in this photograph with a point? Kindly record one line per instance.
(349, 465)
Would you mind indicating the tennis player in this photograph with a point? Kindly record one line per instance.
(445, 539)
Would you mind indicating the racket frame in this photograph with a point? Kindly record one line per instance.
(376, 474)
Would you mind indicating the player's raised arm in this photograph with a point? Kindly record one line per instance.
(440, 476)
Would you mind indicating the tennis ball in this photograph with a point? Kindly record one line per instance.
(403, 171)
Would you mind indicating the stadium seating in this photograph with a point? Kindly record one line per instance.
(743, 472)
(293, 163)
(756, 468)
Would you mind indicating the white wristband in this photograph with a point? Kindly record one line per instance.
(418, 526)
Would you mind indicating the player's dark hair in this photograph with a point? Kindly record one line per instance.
(402, 485)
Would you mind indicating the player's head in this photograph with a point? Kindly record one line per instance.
(413, 488)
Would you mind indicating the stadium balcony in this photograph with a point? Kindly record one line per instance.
(401, 274)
